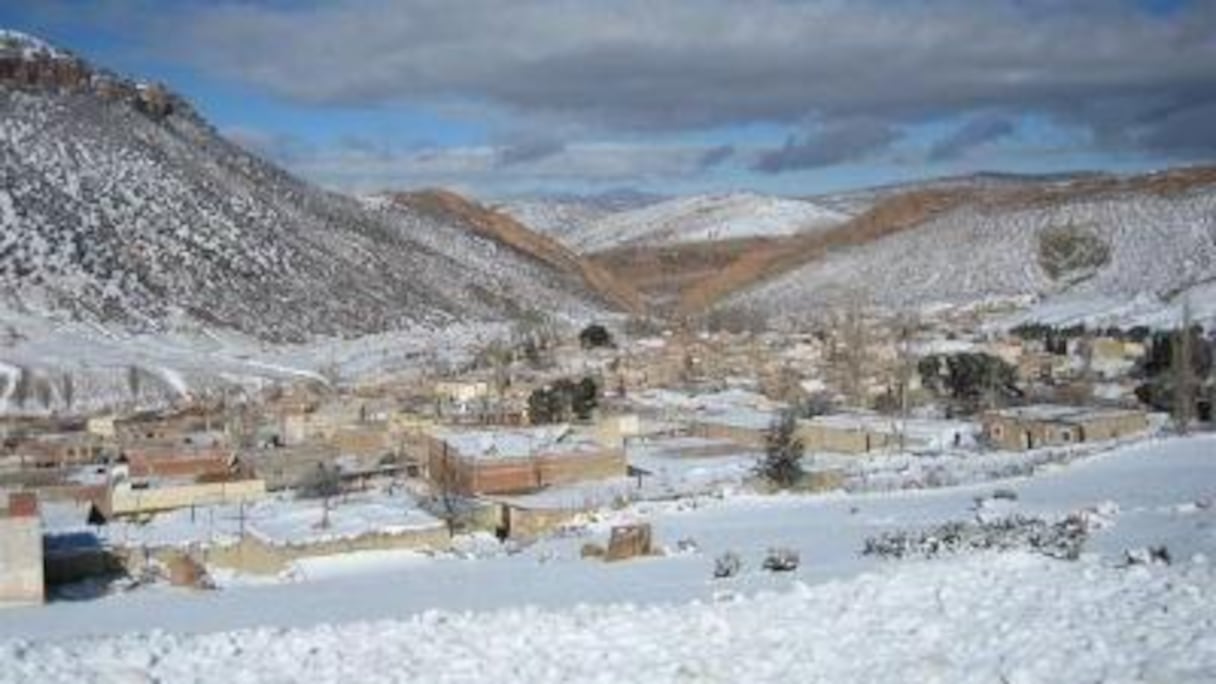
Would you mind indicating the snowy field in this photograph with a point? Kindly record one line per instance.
(545, 614)
(1013, 618)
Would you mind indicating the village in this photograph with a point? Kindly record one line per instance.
(549, 427)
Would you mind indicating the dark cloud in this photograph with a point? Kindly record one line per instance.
(639, 65)
(975, 132)
(834, 143)
(715, 156)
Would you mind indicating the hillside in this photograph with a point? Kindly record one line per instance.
(1120, 247)
(127, 221)
(124, 207)
(559, 215)
(703, 218)
(452, 209)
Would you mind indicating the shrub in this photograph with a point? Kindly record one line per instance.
(727, 565)
(781, 464)
(1071, 250)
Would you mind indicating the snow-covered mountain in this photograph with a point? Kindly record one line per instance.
(561, 214)
(704, 218)
(127, 223)
(1114, 249)
(121, 205)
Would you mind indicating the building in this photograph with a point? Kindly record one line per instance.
(1040, 425)
(518, 460)
(127, 495)
(21, 574)
(862, 433)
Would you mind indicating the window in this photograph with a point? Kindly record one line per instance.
(1066, 435)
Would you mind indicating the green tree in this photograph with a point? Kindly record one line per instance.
(781, 464)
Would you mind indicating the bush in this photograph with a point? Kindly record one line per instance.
(781, 464)
(595, 335)
(727, 565)
(1071, 250)
(781, 560)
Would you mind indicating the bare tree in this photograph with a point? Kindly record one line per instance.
(854, 339)
(67, 389)
(905, 329)
(1183, 362)
(446, 490)
(134, 382)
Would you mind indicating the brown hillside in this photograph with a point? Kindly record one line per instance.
(449, 206)
(908, 210)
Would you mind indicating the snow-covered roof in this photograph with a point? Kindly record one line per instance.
(1059, 413)
(517, 442)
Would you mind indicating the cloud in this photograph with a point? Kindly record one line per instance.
(975, 132)
(528, 151)
(834, 143)
(715, 156)
(635, 65)
(281, 148)
(480, 169)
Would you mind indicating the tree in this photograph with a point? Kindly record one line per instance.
(781, 464)
(1182, 364)
(595, 335)
(585, 398)
(322, 482)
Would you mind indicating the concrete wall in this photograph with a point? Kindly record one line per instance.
(21, 579)
(254, 555)
(748, 437)
(123, 500)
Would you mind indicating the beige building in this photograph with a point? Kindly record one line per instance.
(862, 433)
(516, 460)
(21, 573)
(1041, 425)
(128, 497)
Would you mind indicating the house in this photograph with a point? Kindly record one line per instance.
(21, 574)
(102, 427)
(1039, 425)
(862, 433)
(504, 461)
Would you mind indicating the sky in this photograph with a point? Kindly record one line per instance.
(792, 97)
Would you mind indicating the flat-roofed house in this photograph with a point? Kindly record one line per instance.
(513, 460)
(1030, 427)
(862, 433)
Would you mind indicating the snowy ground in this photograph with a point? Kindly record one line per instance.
(1012, 618)
(974, 618)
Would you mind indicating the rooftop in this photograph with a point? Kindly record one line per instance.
(517, 442)
(1059, 413)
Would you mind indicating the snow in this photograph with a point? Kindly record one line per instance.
(28, 45)
(700, 218)
(517, 442)
(1013, 618)
(1161, 252)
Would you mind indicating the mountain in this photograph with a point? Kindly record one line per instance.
(136, 241)
(452, 209)
(561, 214)
(1095, 247)
(703, 218)
(122, 206)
